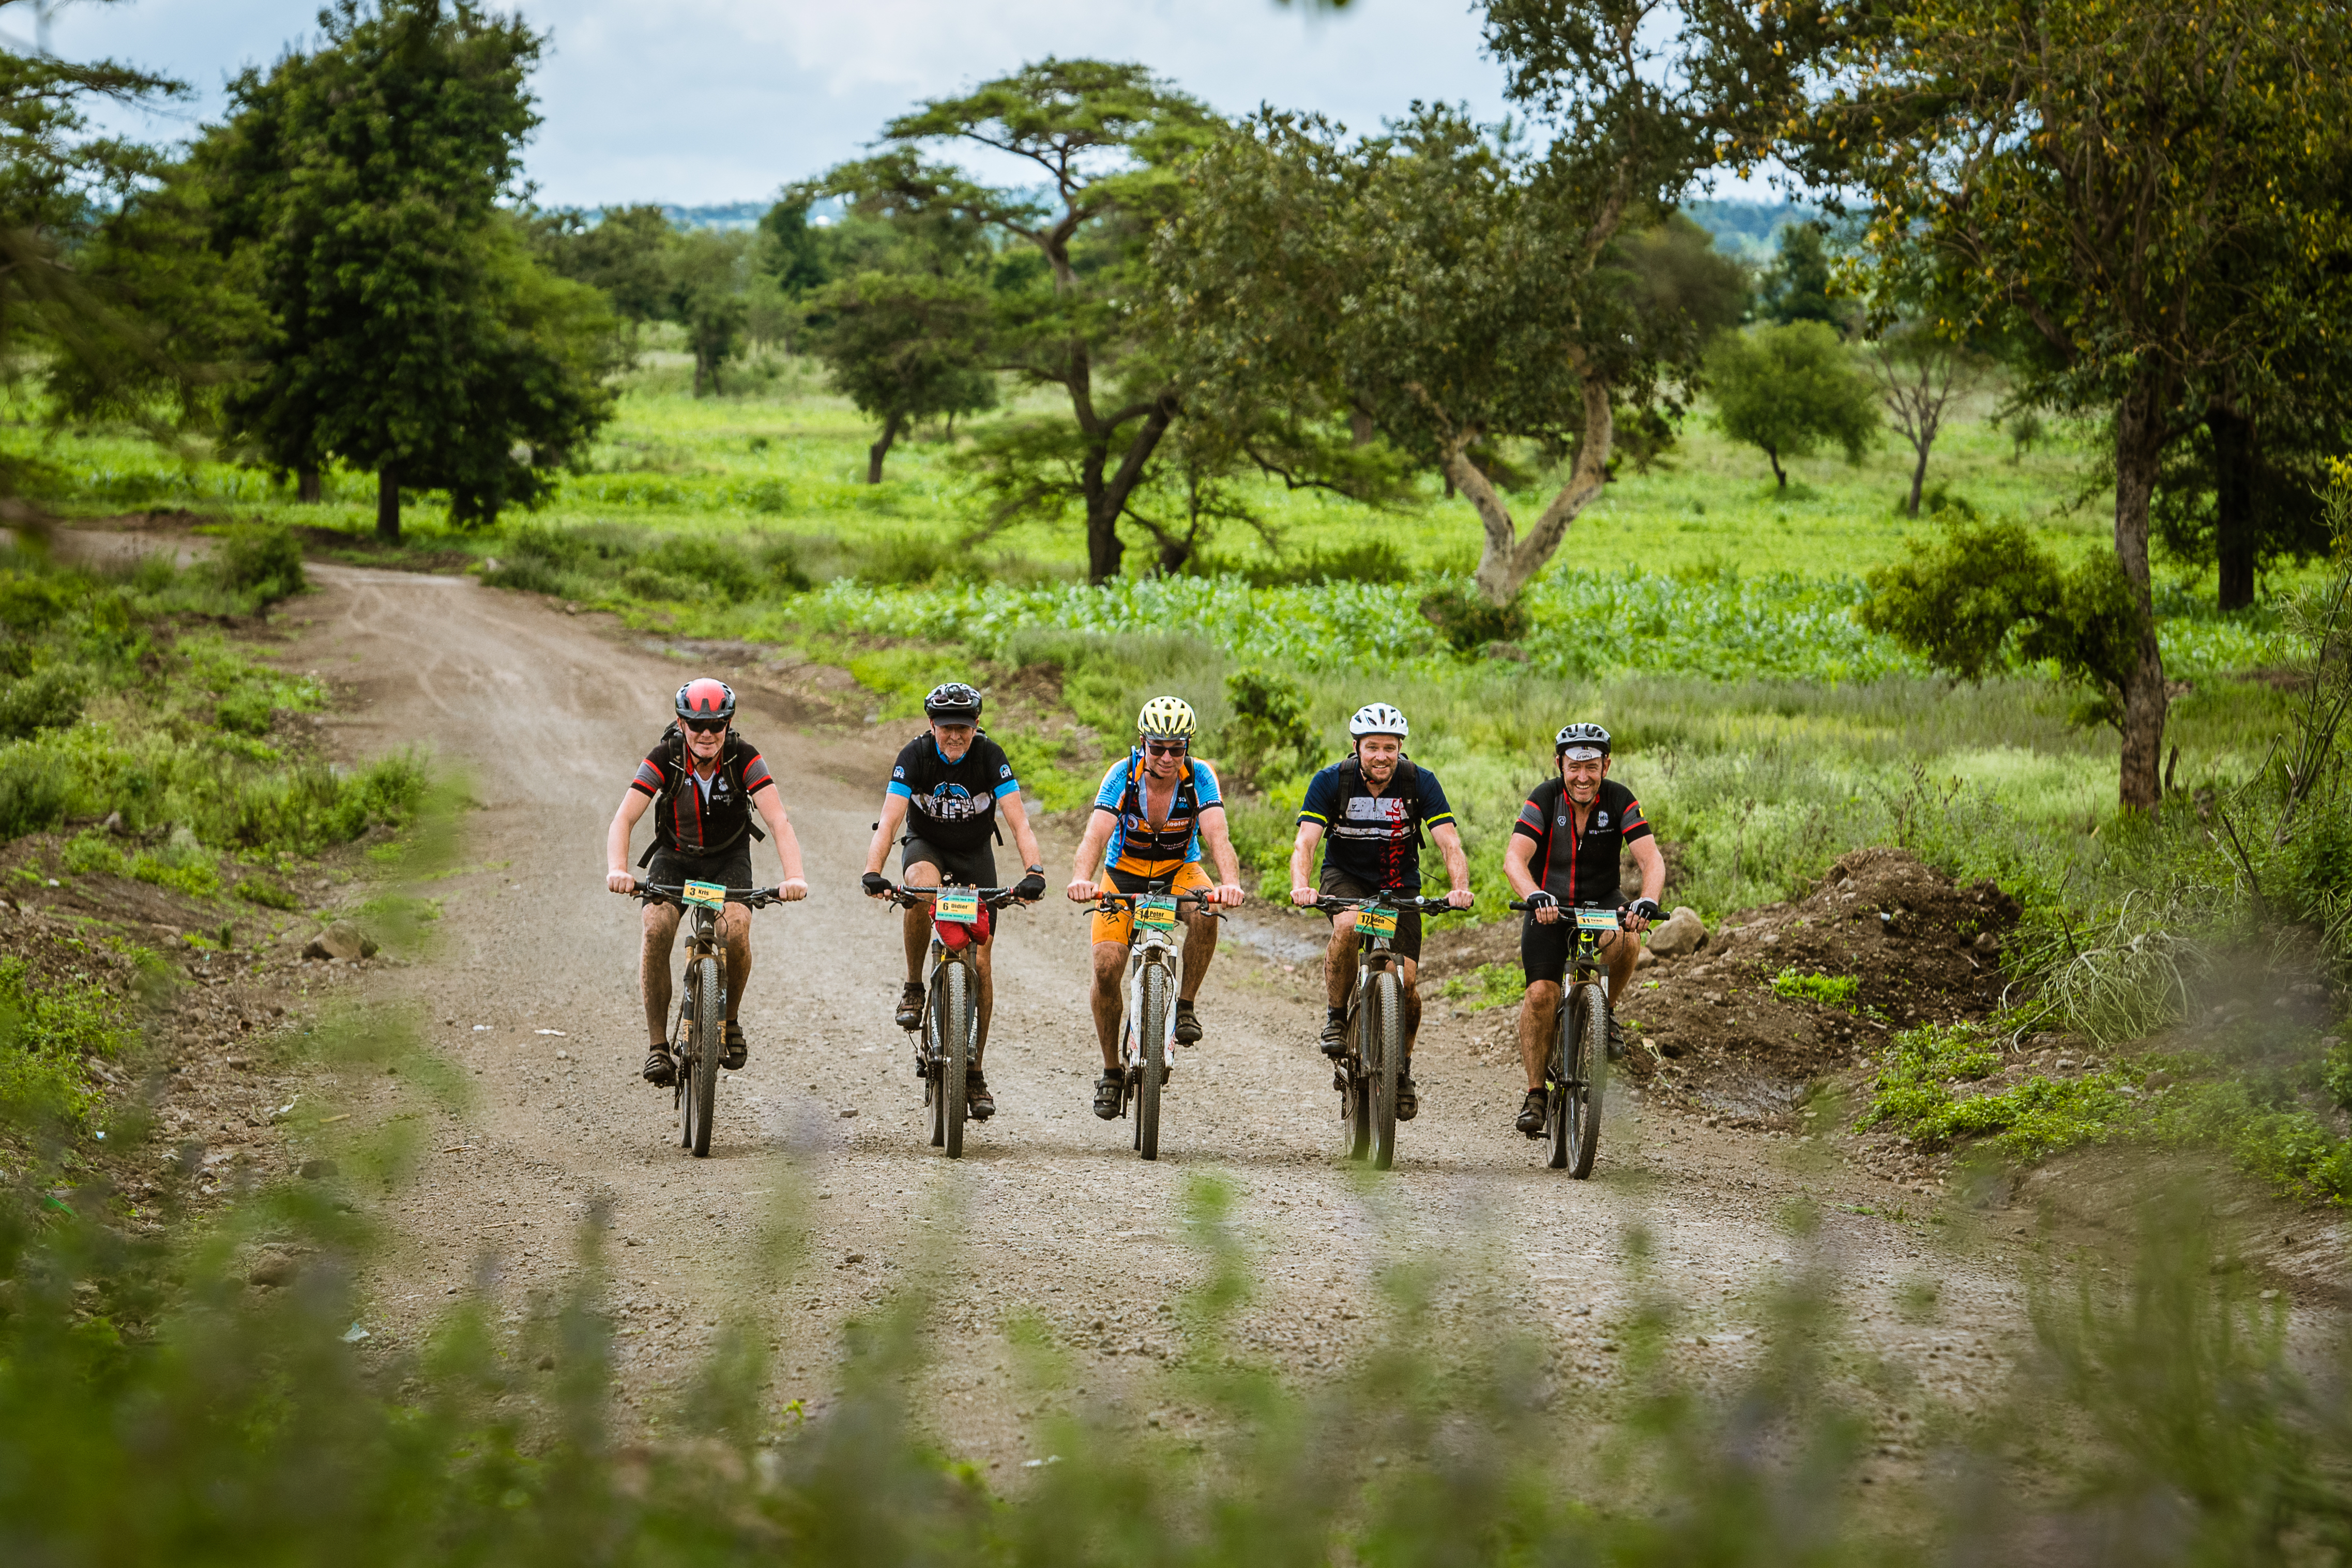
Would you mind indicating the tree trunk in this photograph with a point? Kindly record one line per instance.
(387, 503)
(1918, 478)
(1107, 496)
(1774, 458)
(309, 487)
(2233, 503)
(1360, 428)
(1509, 562)
(881, 449)
(2139, 443)
(698, 372)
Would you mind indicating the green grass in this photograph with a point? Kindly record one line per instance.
(1487, 986)
(49, 1033)
(1829, 991)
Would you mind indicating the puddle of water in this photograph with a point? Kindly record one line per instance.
(1284, 943)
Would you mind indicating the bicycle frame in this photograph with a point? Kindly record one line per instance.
(935, 1052)
(696, 1043)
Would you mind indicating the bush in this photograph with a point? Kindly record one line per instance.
(1468, 623)
(1829, 991)
(261, 560)
(32, 792)
(267, 893)
(1268, 729)
(49, 698)
(93, 852)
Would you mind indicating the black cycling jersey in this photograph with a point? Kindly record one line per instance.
(1375, 838)
(952, 804)
(1580, 867)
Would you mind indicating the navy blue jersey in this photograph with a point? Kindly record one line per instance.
(1375, 838)
(952, 804)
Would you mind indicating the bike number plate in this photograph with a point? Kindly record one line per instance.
(1155, 912)
(1376, 920)
(958, 905)
(707, 894)
(1596, 920)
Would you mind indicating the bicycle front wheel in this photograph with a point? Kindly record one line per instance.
(1384, 1061)
(705, 1044)
(955, 1038)
(1154, 1024)
(1587, 1057)
(1558, 1130)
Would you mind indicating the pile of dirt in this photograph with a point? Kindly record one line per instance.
(1714, 1036)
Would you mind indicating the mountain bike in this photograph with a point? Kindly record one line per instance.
(1374, 1061)
(1155, 973)
(698, 1037)
(950, 1027)
(1576, 1072)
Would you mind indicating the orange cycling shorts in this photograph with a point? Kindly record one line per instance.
(1136, 876)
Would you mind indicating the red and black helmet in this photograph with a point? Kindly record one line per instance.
(706, 698)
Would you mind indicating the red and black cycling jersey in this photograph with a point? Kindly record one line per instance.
(698, 814)
(1579, 866)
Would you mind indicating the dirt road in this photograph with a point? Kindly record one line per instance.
(1049, 1214)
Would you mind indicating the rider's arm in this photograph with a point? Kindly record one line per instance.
(617, 875)
(1448, 837)
(1516, 857)
(885, 832)
(1302, 862)
(1654, 870)
(1215, 833)
(788, 845)
(1017, 817)
(1089, 858)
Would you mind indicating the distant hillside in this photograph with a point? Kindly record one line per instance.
(1750, 230)
(730, 215)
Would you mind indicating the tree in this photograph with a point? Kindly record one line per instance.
(2239, 492)
(410, 332)
(1110, 141)
(2147, 193)
(624, 252)
(903, 347)
(1919, 373)
(1789, 389)
(1459, 288)
(707, 274)
(1797, 286)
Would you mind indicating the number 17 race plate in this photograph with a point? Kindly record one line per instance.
(959, 905)
(1596, 920)
(1376, 920)
(1156, 911)
(708, 895)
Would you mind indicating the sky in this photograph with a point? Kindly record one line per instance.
(704, 101)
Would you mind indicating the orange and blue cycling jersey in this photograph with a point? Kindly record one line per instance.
(1143, 855)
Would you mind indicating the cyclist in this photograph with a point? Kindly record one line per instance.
(706, 781)
(1374, 803)
(1564, 851)
(946, 790)
(1158, 805)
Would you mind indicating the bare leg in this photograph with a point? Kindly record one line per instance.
(1339, 960)
(1538, 1015)
(735, 931)
(1111, 969)
(1200, 946)
(1408, 973)
(1623, 950)
(653, 968)
(985, 969)
(917, 921)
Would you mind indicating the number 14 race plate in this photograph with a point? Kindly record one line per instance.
(1376, 920)
(959, 905)
(1156, 911)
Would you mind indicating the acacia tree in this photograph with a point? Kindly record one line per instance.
(1455, 288)
(2137, 188)
(1109, 140)
(1920, 373)
(903, 347)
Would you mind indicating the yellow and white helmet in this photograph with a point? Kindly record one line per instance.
(1167, 718)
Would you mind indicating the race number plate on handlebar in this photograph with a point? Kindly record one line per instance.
(1376, 920)
(1596, 920)
(708, 895)
(1155, 912)
(956, 906)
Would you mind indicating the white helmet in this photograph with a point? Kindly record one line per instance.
(1378, 719)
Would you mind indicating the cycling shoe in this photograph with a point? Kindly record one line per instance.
(1188, 1024)
(1531, 1113)
(1110, 1095)
(737, 1049)
(659, 1070)
(910, 1006)
(977, 1100)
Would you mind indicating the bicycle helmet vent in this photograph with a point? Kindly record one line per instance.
(1580, 742)
(706, 698)
(953, 703)
(1167, 718)
(1378, 719)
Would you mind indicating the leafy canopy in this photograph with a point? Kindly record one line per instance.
(1787, 390)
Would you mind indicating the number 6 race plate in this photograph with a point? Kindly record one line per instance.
(1596, 920)
(708, 895)
(1377, 920)
(960, 905)
(1156, 911)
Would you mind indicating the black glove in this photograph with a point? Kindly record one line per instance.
(1539, 899)
(1031, 886)
(876, 884)
(1644, 909)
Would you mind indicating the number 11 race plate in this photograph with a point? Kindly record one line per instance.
(1596, 920)
(708, 895)
(1376, 920)
(960, 905)
(1156, 911)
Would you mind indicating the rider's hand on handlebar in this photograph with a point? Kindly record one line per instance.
(1460, 898)
(1083, 891)
(792, 889)
(1639, 913)
(620, 882)
(1030, 888)
(875, 885)
(1305, 897)
(1226, 894)
(1544, 906)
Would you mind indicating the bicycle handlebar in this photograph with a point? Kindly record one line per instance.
(993, 897)
(750, 897)
(1423, 904)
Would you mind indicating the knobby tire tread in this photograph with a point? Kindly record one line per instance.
(710, 1026)
(1592, 1049)
(1388, 1041)
(1154, 989)
(955, 1031)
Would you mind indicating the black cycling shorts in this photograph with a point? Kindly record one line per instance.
(1544, 949)
(1407, 940)
(728, 868)
(974, 867)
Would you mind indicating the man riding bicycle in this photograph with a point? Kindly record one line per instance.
(1156, 808)
(946, 790)
(1374, 805)
(1564, 851)
(705, 781)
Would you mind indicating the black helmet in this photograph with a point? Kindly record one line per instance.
(953, 703)
(1588, 738)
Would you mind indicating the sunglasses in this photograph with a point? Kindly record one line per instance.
(1165, 748)
(706, 726)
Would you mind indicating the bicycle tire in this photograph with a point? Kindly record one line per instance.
(1155, 1059)
(708, 1037)
(1556, 1114)
(1387, 1062)
(955, 1032)
(1358, 1090)
(934, 1091)
(1592, 1063)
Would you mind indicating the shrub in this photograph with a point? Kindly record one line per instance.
(32, 792)
(1468, 623)
(1829, 990)
(711, 568)
(1786, 390)
(91, 852)
(267, 893)
(1269, 728)
(48, 698)
(261, 560)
